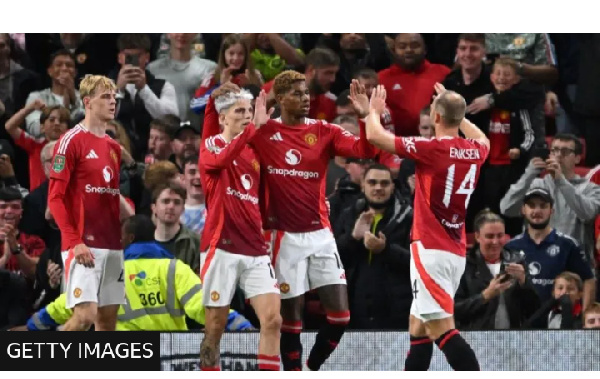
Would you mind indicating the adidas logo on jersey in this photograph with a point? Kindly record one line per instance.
(397, 86)
(276, 137)
(92, 155)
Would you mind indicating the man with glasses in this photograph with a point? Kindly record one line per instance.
(576, 199)
(373, 241)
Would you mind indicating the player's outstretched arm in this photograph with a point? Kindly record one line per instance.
(376, 134)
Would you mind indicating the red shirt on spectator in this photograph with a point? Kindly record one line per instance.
(408, 92)
(33, 147)
(322, 107)
(32, 245)
(499, 135)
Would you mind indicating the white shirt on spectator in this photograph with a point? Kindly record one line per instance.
(156, 106)
(32, 121)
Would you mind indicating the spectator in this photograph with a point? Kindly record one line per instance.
(373, 241)
(35, 205)
(48, 276)
(426, 129)
(14, 308)
(321, 67)
(197, 48)
(549, 252)
(184, 71)
(536, 62)
(20, 251)
(194, 215)
(155, 175)
(185, 144)
(591, 317)
(337, 166)
(54, 122)
(160, 142)
(141, 96)
(495, 291)
(7, 172)
(409, 83)
(167, 207)
(16, 82)
(511, 138)
(348, 188)
(94, 53)
(577, 200)
(357, 51)
(274, 52)
(343, 105)
(563, 310)
(131, 183)
(235, 65)
(62, 72)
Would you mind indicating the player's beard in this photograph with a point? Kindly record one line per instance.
(540, 225)
(315, 88)
(379, 205)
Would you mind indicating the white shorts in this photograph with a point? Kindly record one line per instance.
(435, 277)
(304, 261)
(103, 284)
(221, 272)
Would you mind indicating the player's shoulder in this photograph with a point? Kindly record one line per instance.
(70, 139)
(516, 240)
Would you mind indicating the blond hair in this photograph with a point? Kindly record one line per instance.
(92, 83)
(593, 308)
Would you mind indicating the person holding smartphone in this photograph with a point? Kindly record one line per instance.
(141, 97)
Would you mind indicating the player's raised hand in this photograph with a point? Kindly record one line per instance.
(83, 255)
(358, 97)
(439, 88)
(261, 115)
(378, 96)
(223, 89)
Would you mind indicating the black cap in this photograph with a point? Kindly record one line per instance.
(6, 148)
(542, 193)
(183, 126)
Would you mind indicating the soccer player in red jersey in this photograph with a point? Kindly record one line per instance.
(233, 247)
(85, 202)
(294, 153)
(447, 169)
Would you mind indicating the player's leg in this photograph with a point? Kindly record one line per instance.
(327, 275)
(291, 273)
(112, 289)
(260, 287)
(219, 278)
(437, 277)
(421, 346)
(81, 291)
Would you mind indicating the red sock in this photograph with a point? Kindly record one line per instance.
(269, 362)
(215, 368)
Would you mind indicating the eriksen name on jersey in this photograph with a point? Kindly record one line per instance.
(469, 154)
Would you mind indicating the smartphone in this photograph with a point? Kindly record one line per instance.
(132, 59)
(542, 152)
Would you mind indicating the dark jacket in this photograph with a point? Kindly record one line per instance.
(470, 310)
(34, 219)
(135, 118)
(379, 287)
(346, 195)
(43, 293)
(14, 309)
(539, 320)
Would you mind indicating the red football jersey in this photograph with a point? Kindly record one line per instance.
(84, 190)
(230, 175)
(33, 147)
(447, 170)
(294, 161)
(499, 135)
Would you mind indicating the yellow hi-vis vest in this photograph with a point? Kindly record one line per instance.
(159, 293)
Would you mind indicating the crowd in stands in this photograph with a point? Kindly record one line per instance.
(533, 225)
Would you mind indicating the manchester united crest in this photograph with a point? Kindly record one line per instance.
(77, 293)
(114, 156)
(81, 58)
(284, 288)
(256, 165)
(214, 296)
(310, 139)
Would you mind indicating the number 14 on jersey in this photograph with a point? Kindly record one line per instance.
(467, 185)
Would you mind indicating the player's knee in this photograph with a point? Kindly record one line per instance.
(271, 322)
(341, 318)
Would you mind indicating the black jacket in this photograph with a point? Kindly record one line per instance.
(34, 219)
(346, 195)
(135, 118)
(379, 287)
(14, 309)
(539, 320)
(470, 310)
